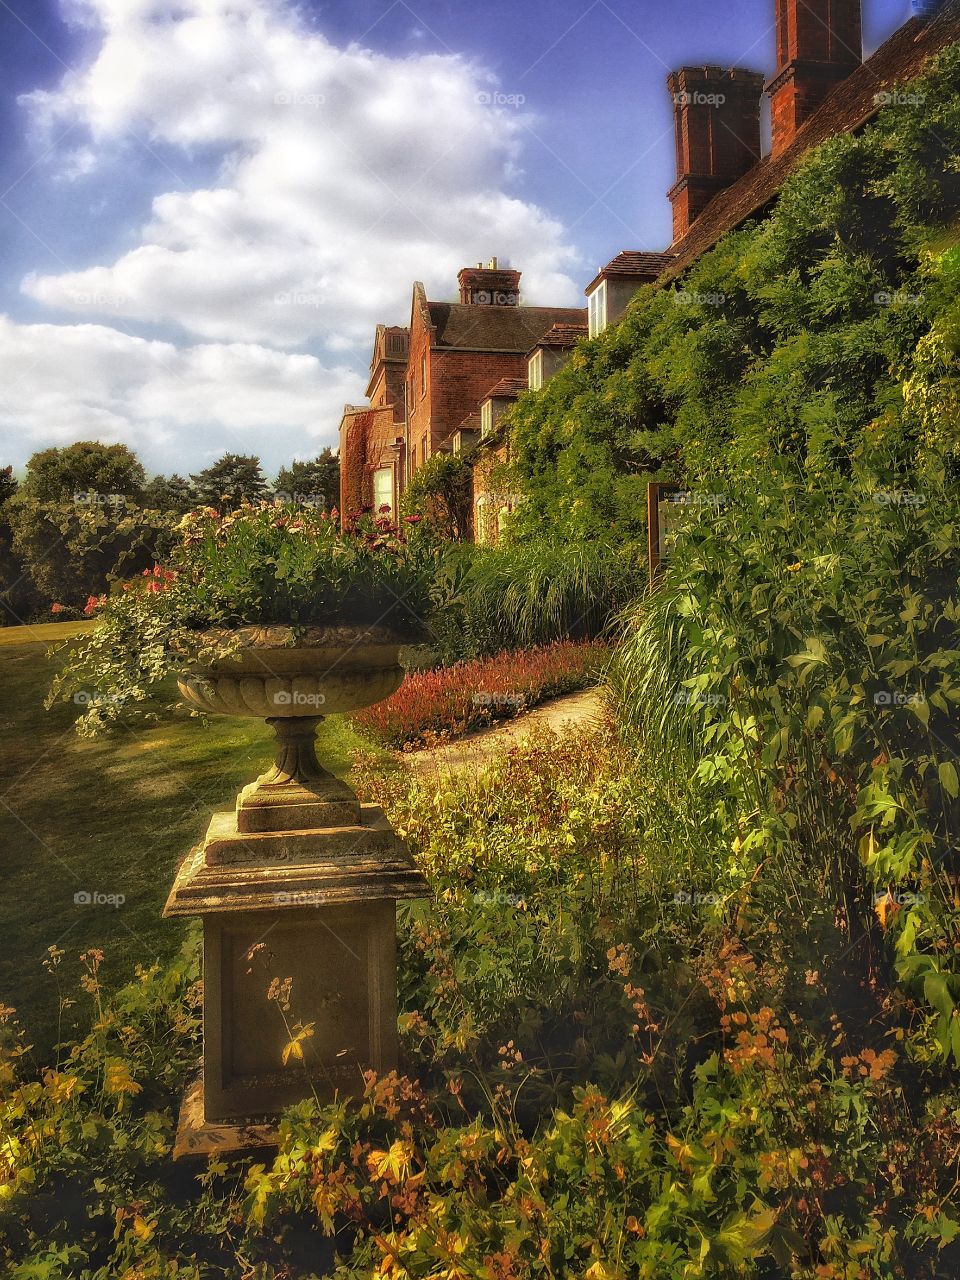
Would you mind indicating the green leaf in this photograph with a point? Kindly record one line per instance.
(949, 780)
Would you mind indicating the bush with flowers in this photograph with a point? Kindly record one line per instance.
(266, 564)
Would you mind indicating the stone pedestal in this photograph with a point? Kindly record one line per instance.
(297, 889)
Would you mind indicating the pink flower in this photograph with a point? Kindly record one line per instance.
(56, 608)
(93, 603)
(412, 519)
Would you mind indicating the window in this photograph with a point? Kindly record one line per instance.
(486, 417)
(382, 489)
(423, 376)
(598, 309)
(535, 371)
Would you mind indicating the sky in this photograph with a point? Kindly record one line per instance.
(206, 206)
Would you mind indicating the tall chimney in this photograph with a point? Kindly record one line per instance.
(490, 286)
(819, 43)
(716, 112)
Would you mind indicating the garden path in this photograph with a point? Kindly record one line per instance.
(573, 710)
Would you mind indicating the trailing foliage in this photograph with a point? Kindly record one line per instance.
(265, 565)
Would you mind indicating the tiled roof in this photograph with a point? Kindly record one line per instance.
(563, 335)
(632, 263)
(489, 328)
(851, 104)
(507, 389)
(470, 423)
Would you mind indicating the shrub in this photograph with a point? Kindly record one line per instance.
(490, 599)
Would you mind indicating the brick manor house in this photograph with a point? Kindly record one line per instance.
(444, 382)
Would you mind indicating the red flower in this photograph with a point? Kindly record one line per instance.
(412, 519)
(93, 603)
(56, 608)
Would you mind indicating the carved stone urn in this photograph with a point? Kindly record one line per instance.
(300, 881)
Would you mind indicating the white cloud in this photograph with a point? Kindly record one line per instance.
(345, 175)
(179, 408)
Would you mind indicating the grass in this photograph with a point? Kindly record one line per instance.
(112, 816)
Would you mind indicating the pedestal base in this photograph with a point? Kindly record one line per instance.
(198, 1138)
(340, 964)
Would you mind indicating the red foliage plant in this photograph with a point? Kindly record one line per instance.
(432, 705)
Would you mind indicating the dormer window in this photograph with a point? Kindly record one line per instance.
(535, 371)
(597, 304)
(486, 418)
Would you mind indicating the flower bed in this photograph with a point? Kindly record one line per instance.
(472, 695)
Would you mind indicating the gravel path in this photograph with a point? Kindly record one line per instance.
(574, 709)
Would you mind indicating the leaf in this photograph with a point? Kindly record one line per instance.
(949, 780)
(937, 993)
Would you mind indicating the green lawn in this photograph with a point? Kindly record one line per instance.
(112, 816)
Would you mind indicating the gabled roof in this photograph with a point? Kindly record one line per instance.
(515, 330)
(643, 267)
(847, 108)
(562, 335)
(506, 389)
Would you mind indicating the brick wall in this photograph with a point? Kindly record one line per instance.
(717, 124)
(819, 43)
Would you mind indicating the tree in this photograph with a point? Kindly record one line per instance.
(234, 479)
(315, 483)
(441, 492)
(96, 471)
(19, 599)
(73, 549)
(169, 493)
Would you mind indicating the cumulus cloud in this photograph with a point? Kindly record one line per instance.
(178, 407)
(344, 175)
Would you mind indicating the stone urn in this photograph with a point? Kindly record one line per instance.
(300, 881)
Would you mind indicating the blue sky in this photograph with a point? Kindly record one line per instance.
(206, 205)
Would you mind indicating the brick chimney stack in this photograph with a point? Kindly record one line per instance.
(819, 43)
(489, 285)
(716, 113)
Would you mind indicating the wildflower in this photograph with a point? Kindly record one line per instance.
(56, 608)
